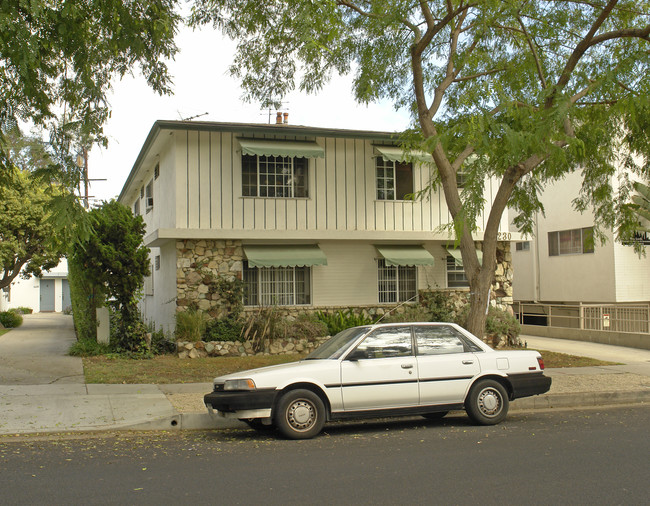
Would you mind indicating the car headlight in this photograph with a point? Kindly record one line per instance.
(239, 384)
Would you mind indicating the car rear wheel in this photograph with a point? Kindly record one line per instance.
(435, 416)
(487, 402)
(300, 414)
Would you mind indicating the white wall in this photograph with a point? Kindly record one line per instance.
(26, 292)
(161, 306)
(632, 275)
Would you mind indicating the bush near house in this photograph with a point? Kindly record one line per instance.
(11, 319)
(23, 310)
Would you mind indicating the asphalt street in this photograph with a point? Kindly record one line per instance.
(592, 456)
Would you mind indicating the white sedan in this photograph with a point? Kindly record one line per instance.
(382, 370)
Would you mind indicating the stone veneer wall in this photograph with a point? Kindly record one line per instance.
(198, 263)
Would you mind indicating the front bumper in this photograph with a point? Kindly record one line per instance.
(528, 384)
(232, 401)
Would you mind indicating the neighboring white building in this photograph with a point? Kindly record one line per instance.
(306, 217)
(51, 292)
(563, 265)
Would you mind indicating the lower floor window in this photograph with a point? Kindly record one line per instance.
(396, 283)
(455, 274)
(276, 286)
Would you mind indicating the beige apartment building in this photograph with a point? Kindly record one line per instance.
(307, 217)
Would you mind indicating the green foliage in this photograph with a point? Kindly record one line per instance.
(160, 344)
(305, 326)
(341, 320)
(59, 60)
(231, 291)
(85, 298)
(113, 261)
(261, 326)
(438, 305)
(11, 319)
(191, 324)
(223, 329)
(24, 310)
(88, 348)
(409, 314)
(27, 236)
(522, 92)
(499, 323)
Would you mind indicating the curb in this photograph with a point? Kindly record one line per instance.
(203, 421)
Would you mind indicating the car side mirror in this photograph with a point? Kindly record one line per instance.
(357, 355)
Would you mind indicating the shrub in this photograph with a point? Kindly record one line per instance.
(160, 345)
(190, 324)
(24, 310)
(499, 323)
(11, 319)
(438, 305)
(410, 314)
(260, 326)
(341, 320)
(88, 348)
(306, 326)
(224, 329)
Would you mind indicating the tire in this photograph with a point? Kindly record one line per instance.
(487, 402)
(438, 415)
(299, 414)
(256, 424)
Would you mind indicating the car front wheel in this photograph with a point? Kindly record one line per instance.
(300, 414)
(487, 402)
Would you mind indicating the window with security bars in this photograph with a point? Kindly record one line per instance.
(571, 242)
(455, 274)
(274, 176)
(276, 286)
(394, 180)
(396, 283)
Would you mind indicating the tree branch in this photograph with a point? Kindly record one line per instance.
(531, 45)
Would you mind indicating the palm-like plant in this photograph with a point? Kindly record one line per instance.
(641, 206)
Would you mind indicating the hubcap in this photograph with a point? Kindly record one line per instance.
(301, 415)
(489, 402)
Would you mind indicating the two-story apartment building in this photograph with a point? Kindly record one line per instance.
(306, 217)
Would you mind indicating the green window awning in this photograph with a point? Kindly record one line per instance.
(405, 255)
(458, 259)
(395, 154)
(265, 147)
(285, 256)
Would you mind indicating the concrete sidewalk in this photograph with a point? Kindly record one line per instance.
(61, 407)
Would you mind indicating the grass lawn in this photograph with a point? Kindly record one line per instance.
(170, 369)
(4, 331)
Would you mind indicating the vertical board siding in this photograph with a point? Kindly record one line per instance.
(342, 191)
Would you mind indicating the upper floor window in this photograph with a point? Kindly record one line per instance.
(396, 283)
(136, 207)
(394, 179)
(148, 191)
(274, 176)
(571, 242)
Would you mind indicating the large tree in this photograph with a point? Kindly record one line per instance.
(27, 240)
(59, 57)
(523, 91)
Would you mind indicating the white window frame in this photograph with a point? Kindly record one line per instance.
(396, 283)
(386, 179)
(277, 286)
(149, 196)
(579, 245)
(278, 177)
(456, 277)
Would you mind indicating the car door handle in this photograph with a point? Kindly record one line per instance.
(407, 366)
(468, 362)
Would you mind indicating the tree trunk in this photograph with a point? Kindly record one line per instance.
(478, 305)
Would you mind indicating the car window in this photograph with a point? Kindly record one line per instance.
(438, 340)
(385, 342)
(337, 345)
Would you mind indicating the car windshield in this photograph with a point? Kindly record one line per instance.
(337, 345)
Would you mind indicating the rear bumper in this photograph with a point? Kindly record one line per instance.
(231, 401)
(526, 385)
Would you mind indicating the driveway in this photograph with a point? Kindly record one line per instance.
(36, 352)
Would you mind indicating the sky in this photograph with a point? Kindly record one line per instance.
(202, 85)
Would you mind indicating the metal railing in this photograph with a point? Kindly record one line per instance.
(633, 318)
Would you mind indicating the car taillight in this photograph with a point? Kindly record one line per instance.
(540, 361)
